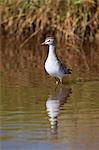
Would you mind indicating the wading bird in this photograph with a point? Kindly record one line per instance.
(53, 65)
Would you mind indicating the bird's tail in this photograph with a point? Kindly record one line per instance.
(69, 71)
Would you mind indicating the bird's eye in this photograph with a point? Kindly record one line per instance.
(48, 41)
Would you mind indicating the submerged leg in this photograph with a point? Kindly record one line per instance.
(61, 81)
(57, 81)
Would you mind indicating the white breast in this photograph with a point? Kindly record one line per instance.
(52, 67)
(51, 64)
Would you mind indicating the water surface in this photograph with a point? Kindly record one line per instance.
(41, 116)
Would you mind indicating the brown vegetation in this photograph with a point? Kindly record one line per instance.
(74, 24)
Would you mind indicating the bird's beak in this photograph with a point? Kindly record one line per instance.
(43, 43)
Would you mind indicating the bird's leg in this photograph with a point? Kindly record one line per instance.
(61, 81)
(57, 82)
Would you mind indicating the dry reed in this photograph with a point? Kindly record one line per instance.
(75, 21)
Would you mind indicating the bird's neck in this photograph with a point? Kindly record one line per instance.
(52, 51)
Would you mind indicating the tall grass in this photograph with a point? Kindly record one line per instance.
(72, 22)
(77, 20)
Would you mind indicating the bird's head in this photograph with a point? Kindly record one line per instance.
(49, 41)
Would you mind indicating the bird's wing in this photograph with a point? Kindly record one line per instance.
(63, 68)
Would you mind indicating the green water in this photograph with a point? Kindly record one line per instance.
(41, 116)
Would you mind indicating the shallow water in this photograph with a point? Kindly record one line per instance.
(41, 116)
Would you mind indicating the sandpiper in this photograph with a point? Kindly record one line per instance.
(53, 65)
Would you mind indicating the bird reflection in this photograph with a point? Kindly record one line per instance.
(54, 103)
